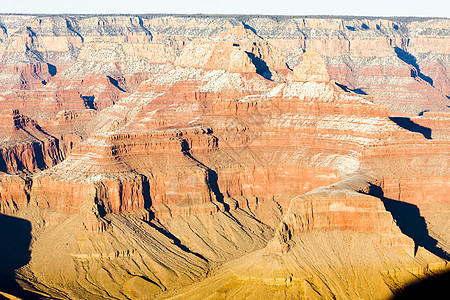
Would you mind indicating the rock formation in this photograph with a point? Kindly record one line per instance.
(220, 157)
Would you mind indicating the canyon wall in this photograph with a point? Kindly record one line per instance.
(170, 156)
(54, 62)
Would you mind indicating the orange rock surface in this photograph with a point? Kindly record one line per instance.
(193, 157)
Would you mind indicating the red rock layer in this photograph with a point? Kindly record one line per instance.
(25, 147)
(201, 152)
(53, 63)
(228, 128)
(338, 208)
(437, 122)
(14, 193)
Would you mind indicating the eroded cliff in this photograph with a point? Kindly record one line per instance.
(221, 157)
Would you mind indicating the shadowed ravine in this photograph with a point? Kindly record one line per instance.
(411, 223)
(412, 61)
(358, 91)
(16, 233)
(261, 67)
(433, 287)
(407, 124)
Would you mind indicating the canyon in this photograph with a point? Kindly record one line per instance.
(222, 157)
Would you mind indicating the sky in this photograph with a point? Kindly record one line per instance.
(422, 8)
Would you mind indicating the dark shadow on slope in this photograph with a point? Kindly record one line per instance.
(349, 90)
(175, 240)
(51, 69)
(359, 92)
(423, 111)
(146, 30)
(407, 124)
(186, 152)
(15, 238)
(260, 65)
(89, 102)
(2, 163)
(250, 28)
(211, 176)
(146, 194)
(115, 83)
(39, 155)
(412, 61)
(246, 26)
(38, 150)
(411, 223)
(214, 187)
(211, 180)
(70, 27)
(432, 287)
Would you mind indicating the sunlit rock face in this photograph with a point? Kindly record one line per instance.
(177, 157)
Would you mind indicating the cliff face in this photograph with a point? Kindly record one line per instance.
(25, 147)
(93, 61)
(149, 150)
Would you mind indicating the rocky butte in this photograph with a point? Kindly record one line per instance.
(219, 157)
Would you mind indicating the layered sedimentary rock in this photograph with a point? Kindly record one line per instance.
(437, 122)
(78, 61)
(25, 147)
(387, 59)
(223, 157)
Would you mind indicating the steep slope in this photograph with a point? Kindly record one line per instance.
(191, 161)
(25, 146)
(54, 62)
(333, 242)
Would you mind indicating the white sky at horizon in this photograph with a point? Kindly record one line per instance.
(382, 8)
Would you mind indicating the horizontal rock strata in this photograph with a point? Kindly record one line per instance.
(176, 157)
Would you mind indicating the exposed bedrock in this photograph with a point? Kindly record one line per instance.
(220, 157)
(402, 64)
(25, 146)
